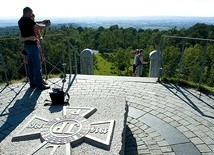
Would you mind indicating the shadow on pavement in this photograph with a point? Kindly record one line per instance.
(18, 112)
(186, 99)
(130, 143)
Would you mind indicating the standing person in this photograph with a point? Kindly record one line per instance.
(27, 27)
(135, 52)
(140, 62)
(37, 37)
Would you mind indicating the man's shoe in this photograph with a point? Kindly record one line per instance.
(44, 87)
(44, 82)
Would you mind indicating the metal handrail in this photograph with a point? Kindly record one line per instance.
(54, 66)
(190, 38)
(183, 50)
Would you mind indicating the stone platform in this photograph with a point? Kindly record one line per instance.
(86, 125)
(163, 119)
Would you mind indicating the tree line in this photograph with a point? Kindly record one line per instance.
(190, 58)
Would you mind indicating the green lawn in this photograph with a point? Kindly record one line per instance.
(103, 66)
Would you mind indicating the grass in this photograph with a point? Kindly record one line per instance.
(104, 67)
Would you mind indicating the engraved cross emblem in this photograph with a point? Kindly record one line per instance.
(69, 130)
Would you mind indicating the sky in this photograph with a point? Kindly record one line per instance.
(85, 8)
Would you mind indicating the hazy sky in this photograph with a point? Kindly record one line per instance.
(76, 8)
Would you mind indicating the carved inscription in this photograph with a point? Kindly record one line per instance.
(35, 126)
(98, 130)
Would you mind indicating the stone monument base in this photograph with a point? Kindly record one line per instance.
(86, 126)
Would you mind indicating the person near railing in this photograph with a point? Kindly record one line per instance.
(134, 66)
(139, 63)
(27, 28)
(39, 39)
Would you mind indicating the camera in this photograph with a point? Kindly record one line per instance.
(47, 22)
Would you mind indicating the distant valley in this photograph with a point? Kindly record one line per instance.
(149, 22)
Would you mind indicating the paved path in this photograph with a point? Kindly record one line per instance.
(162, 118)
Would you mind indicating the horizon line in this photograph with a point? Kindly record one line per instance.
(168, 16)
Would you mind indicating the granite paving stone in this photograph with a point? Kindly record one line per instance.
(163, 118)
(169, 153)
(207, 140)
(203, 148)
(135, 113)
(156, 152)
(166, 149)
(175, 124)
(182, 128)
(189, 134)
(207, 153)
(158, 138)
(163, 143)
(196, 140)
(211, 147)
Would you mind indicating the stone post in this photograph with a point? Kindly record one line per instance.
(87, 62)
(155, 64)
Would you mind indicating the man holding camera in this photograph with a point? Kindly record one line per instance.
(27, 27)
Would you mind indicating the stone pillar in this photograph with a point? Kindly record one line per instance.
(87, 62)
(155, 64)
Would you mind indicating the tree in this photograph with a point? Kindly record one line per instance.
(171, 59)
(118, 42)
(121, 60)
(192, 62)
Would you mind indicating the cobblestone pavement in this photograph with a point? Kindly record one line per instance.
(162, 120)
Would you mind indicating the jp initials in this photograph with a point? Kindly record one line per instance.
(66, 127)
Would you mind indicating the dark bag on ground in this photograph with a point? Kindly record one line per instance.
(58, 97)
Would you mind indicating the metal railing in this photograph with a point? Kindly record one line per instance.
(60, 59)
(173, 62)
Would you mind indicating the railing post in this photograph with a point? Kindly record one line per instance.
(75, 57)
(202, 66)
(181, 61)
(69, 55)
(70, 66)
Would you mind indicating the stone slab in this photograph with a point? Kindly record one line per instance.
(171, 135)
(179, 143)
(135, 113)
(185, 148)
(86, 126)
